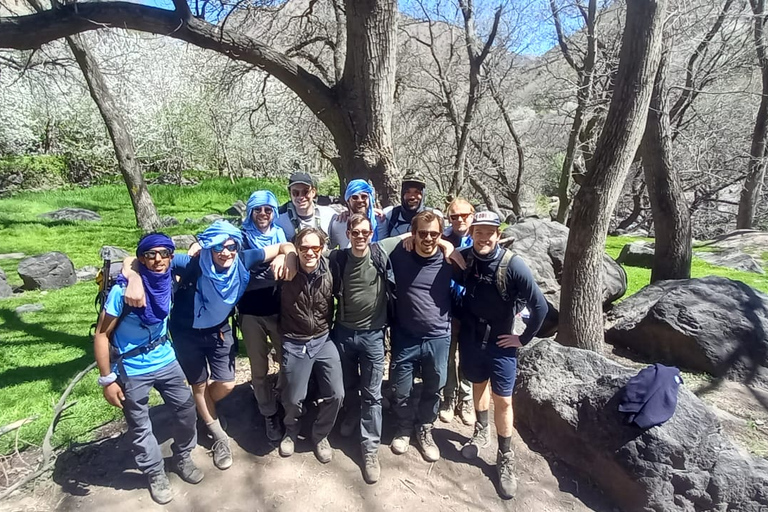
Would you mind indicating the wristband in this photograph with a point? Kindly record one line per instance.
(106, 380)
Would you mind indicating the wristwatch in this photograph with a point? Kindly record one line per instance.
(106, 380)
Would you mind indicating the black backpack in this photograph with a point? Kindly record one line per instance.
(500, 276)
(338, 262)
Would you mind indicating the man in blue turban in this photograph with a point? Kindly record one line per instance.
(360, 198)
(259, 307)
(133, 356)
(210, 284)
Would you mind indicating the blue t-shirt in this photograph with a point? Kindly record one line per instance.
(131, 333)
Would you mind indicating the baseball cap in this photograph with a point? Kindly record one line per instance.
(486, 219)
(301, 178)
(415, 179)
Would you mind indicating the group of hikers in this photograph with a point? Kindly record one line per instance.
(321, 290)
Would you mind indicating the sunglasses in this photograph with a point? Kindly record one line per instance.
(428, 234)
(263, 209)
(300, 193)
(163, 253)
(360, 233)
(231, 247)
(360, 197)
(307, 248)
(462, 216)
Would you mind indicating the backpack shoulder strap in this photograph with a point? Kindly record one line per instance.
(337, 260)
(394, 218)
(469, 267)
(501, 273)
(379, 259)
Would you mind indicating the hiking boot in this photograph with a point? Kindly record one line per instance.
(186, 468)
(467, 412)
(287, 446)
(323, 451)
(349, 424)
(222, 454)
(371, 468)
(447, 408)
(505, 465)
(400, 443)
(480, 439)
(160, 488)
(426, 442)
(274, 428)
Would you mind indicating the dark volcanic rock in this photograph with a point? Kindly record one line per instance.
(237, 210)
(72, 214)
(567, 399)
(541, 244)
(47, 271)
(112, 253)
(736, 260)
(712, 324)
(183, 241)
(637, 254)
(5, 288)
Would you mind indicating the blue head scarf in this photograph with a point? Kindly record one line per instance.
(255, 238)
(218, 292)
(157, 286)
(357, 187)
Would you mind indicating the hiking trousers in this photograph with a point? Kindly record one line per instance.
(260, 334)
(297, 368)
(457, 387)
(170, 382)
(362, 363)
(408, 354)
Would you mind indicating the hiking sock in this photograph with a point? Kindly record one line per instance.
(216, 430)
(482, 418)
(505, 444)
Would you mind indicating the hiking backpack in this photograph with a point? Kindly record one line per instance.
(500, 276)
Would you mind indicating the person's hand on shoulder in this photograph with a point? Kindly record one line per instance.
(194, 250)
(509, 341)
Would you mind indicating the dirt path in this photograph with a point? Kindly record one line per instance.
(98, 476)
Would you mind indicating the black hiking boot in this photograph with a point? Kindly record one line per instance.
(274, 427)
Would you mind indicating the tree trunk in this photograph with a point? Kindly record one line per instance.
(366, 96)
(581, 314)
(144, 208)
(672, 257)
(750, 193)
(487, 195)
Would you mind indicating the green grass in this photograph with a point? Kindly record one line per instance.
(638, 277)
(40, 352)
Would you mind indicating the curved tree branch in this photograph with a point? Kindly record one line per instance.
(34, 30)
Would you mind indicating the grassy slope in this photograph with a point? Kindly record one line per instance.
(639, 277)
(40, 352)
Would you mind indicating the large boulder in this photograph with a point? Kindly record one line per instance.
(113, 253)
(712, 324)
(541, 244)
(238, 209)
(183, 241)
(736, 260)
(637, 254)
(47, 271)
(5, 288)
(72, 214)
(567, 399)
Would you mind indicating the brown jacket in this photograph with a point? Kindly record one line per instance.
(306, 304)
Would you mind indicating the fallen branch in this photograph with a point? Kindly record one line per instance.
(48, 455)
(61, 406)
(16, 424)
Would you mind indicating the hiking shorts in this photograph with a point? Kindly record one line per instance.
(497, 365)
(206, 353)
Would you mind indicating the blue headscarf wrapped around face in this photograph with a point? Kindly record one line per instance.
(362, 186)
(157, 286)
(218, 292)
(274, 234)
